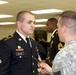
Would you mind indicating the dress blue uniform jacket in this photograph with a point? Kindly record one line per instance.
(16, 57)
(55, 47)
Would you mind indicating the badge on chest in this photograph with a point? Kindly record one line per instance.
(19, 51)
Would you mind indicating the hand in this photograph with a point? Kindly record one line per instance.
(43, 61)
(44, 68)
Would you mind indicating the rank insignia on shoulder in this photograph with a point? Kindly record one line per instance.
(8, 37)
(19, 48)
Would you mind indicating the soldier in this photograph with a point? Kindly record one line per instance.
(65, 60)
(55, 43)
(18, 55)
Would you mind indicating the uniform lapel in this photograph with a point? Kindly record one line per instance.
(22, 43)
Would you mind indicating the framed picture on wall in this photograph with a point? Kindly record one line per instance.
(40, 33)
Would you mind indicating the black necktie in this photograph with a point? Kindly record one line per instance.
(28, 41)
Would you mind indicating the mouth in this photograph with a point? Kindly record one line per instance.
(32, 29)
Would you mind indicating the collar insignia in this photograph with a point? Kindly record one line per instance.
(19, 39)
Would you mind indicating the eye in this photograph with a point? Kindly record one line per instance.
(29, 22)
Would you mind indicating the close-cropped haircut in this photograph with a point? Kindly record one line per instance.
(53, 20)
(68, 18)
(20, 15)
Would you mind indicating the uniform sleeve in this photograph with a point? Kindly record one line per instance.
(58, 65)
(4, 58)
(41, 51)
(57, 69)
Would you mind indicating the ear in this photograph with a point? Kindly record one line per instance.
(64, 29)
(18, 23)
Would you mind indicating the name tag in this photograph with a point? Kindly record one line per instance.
(19, 53)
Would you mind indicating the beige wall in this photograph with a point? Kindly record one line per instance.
(5, 31)
(48, 37)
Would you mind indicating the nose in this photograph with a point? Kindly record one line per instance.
(33, 25)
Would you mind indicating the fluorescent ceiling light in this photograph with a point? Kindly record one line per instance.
(6, 23)
(3, 2)
(41, 20)
(5, 16)
(46, 11)
(40, 25)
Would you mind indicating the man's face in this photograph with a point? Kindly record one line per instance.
(49, 27)
(28, 25)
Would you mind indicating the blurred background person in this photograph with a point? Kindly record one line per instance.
(55, 44)
(43, 43)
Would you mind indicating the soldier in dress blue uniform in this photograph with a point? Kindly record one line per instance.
(55, 43)
(16, 56)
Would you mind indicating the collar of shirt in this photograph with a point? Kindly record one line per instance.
(53, 32)
(22, 36)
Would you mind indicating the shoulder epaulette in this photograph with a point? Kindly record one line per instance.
(8, 37)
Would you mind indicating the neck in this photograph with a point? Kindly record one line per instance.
(70, 38)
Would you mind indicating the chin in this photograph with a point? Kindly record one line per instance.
(30, 33)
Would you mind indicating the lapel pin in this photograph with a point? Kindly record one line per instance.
(19, 39)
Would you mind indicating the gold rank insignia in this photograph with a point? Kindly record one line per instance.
(19, 48)
(60, 45)
(8, 37)
(19, 39)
